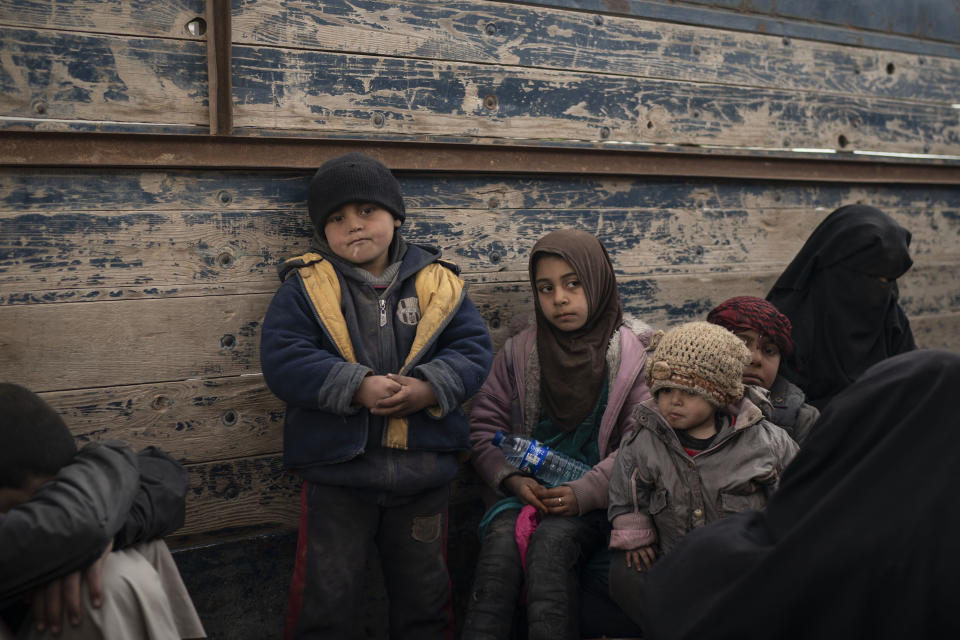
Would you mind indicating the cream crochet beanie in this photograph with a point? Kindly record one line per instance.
(699, 357)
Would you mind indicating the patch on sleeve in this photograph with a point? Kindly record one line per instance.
(408, 311)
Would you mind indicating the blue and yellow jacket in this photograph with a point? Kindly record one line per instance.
(309, 356)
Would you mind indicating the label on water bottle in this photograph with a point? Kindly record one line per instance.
(534, 457)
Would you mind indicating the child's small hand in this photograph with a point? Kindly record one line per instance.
(414, 395)
(560, 501)
(644, 556)
(525, 487)
(373, 389)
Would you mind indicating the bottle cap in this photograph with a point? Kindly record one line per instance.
(498, 437)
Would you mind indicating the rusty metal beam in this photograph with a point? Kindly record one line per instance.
(220, 98)
(37, 149)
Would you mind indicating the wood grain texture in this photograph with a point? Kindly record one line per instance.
(193, 420)
(283, 90)
(940, 331)
(61, 80)
(245, 492)
(95, 344)
(536, 37)
(68, 346)
(88, 236)
(131, 17)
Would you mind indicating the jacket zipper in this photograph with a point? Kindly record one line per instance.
(383, 312)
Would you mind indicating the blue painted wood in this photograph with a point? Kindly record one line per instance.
(942, 38)
(524, 36)
(925, 19)
(90, 82)
(131, 17)
(281, 90)
(89, 235)
(51, 190)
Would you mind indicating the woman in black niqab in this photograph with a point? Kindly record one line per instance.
(861, 539)
(841, 296)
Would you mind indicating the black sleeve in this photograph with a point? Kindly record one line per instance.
(160, 504)
(69, 521)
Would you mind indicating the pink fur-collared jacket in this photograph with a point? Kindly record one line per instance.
(510, 401)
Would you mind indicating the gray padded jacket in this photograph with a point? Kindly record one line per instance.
(659, 493)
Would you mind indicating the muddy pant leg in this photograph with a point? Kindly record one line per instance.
(341, 524)
(412, 545)
(557, 552)
(496, 584)
(625, 583)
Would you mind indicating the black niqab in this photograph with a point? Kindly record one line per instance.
(841, 296)
(861, 539)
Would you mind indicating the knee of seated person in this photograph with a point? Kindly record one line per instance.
(129, 577)
(555, 532)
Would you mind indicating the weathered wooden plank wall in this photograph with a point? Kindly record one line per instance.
(474, 70)
(164, 277)
(132, 298)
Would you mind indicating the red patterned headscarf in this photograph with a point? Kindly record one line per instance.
(748, 312)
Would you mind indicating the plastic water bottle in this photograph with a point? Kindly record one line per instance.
(549, 467)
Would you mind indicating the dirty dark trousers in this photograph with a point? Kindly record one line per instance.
(557, 551)
(409, 532)
(626, 587)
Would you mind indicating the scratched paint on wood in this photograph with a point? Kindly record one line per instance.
(37, 190)
(87, 237)
(524, 36)
(84, 258)
(663, 301)
(50, 79)
(247, 492)
(284, 90)
(131, 17)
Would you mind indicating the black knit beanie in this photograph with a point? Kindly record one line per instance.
(353, 177)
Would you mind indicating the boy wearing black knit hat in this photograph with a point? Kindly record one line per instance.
(700, 451)
(374, 346)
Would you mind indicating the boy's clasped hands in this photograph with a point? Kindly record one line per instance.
(394, 395)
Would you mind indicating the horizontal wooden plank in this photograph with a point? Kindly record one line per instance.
(85, 190)
(279, 90)
(664, 301)
(63, 256)
(55, 347)
(150, 150)
(99, 344)
(478, 31)
(259, 493)
(193, 420)
(940, 331)
(763, 16)
(132, 17)
(927, 20)
(52, 80)
(248, 492)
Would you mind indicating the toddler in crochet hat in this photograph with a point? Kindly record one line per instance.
(700, 358)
